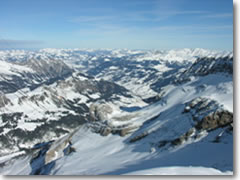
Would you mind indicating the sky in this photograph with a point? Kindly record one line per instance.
(133, 24)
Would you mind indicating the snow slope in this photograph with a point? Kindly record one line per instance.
(116, 155)
(180, 171)
(187, 129)
(112, 154)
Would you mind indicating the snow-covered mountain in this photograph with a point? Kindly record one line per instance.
(111, 111)
(49, 111)
(31, 73)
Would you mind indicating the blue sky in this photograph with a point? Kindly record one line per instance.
(134, 24)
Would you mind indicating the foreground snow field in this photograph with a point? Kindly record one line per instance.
(180, 171)
(111, 155)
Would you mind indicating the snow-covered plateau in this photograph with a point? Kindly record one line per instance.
(116, 112)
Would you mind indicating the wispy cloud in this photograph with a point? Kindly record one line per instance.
(85, 19)
(10, 43)
(107, 31)
(183, 12)
(102, 30)
(193, 27)
(137, 16)
(222, 15)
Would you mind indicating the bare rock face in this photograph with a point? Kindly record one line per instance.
(105, 131)
(56, 149)
(128, 130)
(215, 120)
(45, 154)
(208, 114)
(99, 121)
(99, 112)
(139, 137)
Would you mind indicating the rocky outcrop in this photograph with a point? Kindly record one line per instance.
(45, 154)
(57, 148)
(99, 112)
(215, 120)
(207, 115)
(139, 137)
(127, 130)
